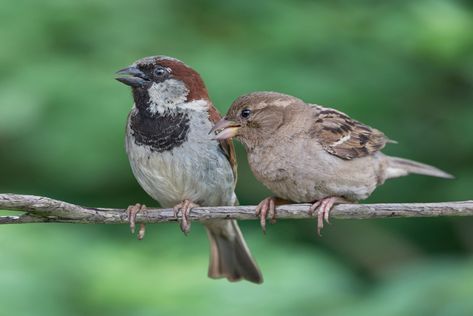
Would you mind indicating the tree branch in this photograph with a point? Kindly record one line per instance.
(45, 210)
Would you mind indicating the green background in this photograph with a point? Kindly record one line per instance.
(405, 67)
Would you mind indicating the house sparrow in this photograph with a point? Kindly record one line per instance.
(312, 154)
(177, 163)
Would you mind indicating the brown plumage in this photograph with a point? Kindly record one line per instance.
(312, 154)
(344, 137)
(177, 163)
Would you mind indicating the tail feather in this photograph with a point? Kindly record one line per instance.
(398, 167)
(229, 255)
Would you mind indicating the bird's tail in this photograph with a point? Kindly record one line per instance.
(398, 167)
(229, 255)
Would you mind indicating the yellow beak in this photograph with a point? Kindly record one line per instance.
(225, 129)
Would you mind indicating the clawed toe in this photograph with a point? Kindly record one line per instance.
(265, 207)
(141, 231)
(324, 207)
(313, 207)
(320, 222)
(132, 211)
(184, 208)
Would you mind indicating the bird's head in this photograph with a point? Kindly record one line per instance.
(161, 83)
(254, 117)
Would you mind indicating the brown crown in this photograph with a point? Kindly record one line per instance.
(189, 76)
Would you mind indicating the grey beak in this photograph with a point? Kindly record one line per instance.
(132, 77)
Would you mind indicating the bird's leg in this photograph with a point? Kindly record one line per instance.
(265, 206)
(324, 207)
(268, 207)
(132, 210)
(184, 208)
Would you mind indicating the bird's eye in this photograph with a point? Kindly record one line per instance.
(160, 72)
(245, 113)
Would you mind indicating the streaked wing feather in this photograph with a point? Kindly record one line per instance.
(344, 137)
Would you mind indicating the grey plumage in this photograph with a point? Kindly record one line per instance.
(175, 160)
(229, 254)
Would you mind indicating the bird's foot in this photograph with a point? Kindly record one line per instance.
(132, 210)
(184, 208)
(265, 207)
(324, 207)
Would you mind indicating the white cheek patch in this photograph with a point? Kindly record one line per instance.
(166, 95)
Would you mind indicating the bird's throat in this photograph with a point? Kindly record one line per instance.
(161, 132)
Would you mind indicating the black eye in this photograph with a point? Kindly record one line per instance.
(160, 72)
(245, 113)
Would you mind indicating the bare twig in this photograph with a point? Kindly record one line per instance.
(45, 210)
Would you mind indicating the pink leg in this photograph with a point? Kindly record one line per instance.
(265, 207)
(184, 208)
(324, 205)
(132, 211)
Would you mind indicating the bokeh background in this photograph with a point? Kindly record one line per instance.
(405, 67)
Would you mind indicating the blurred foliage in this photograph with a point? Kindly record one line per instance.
(405, 67)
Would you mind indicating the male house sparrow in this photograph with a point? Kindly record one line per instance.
(309, 153)
(177, 163)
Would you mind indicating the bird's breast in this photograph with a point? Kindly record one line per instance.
(302, 171)
(159, 133)
(194, 169)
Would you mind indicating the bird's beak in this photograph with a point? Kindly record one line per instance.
(225, 129)
(132, 76)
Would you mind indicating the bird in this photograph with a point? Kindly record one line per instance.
(177, 163)
(307, 153)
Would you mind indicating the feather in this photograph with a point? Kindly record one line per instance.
(344, 137)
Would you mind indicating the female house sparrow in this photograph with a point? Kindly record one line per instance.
(175, 160)
(309, 153)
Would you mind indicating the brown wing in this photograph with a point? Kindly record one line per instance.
(344, 137)
(227, 144)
